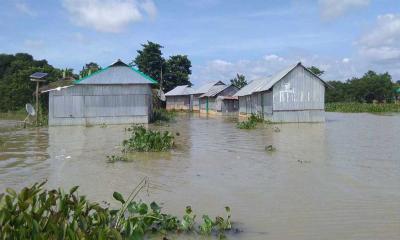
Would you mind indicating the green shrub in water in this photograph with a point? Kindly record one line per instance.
(146, 140)
(250, 123)
(35, 213)
(163, 115)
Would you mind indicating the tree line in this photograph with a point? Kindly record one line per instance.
(370, 87)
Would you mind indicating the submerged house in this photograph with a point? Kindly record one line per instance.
(295, 94)
(202, 90)
(114, 95)
(218, 99)
(180, 98)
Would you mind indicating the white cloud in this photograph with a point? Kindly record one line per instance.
(273, 57)
(345, 60)
(25, 9)
(334, 8)
(382, 42)
(109, 15)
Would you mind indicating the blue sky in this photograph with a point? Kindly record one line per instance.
(255, 38)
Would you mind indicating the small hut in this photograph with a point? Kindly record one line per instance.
(294, 94)
(180, 98)
(200, 91)
(118, 94)
(219, 100)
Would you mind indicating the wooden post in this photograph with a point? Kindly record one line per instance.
(37, 103)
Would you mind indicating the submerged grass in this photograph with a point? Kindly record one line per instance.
(36, 213)
(146, 140)
(354, 107)
(250, 123)
(162, 115)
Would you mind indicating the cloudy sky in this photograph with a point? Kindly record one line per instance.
(221, 37)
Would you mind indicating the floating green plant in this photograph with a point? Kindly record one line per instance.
(146, 140)
(117, 158)
(250, 123)
(355, 107)
(36, 213)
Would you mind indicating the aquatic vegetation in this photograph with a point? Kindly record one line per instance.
(36, 213)
(116, 158)
(270, 148)
(162, 115)
(146, 140)
(250, 123)
(355, 107)
(103, 125)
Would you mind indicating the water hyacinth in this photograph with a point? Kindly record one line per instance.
(146, 140)
(355, 107)
(250, 123)
(35, 213)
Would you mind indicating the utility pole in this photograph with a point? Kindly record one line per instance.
(37, 77)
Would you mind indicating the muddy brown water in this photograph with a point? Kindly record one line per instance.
(336, 180)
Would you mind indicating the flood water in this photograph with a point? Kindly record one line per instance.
(336, 180)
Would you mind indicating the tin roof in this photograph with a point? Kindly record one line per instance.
(214, 90)
(250, 87)
(117, 73)
(265, 84)
(206, 87)
(180, 90)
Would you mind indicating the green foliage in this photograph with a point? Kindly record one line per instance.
(355, 107)
(239, 81)
(175, 71)
(35, 213)
(161, 114)
(250, 123)
(149, 60)
(88, 69)
(316, 71)
(16, 89)
(371, 86)
(146, 140)
(116, 158)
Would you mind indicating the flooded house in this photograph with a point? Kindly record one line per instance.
(219, 99)
(180, 98)
(202, 90)
(117, 94)
(294, 94)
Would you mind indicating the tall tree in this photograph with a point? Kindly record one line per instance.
(16, 89)
(88, 69)
(239, 81)
(316, 71)
(150, 61)
(177, 71)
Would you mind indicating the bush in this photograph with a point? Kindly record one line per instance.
(250, 123)
(35, 213)
(146, 140)
(163, 115)
(354, 107)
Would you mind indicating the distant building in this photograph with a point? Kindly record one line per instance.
(118, 94)
(218, 99)
(180, 98)
(294, 94)
(200, 91)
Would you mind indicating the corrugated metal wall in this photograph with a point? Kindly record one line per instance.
(299, 97)
(178, 102)
(96, 104)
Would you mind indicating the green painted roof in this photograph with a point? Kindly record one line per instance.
(117, 73)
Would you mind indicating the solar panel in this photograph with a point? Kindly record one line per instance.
(38, 75)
